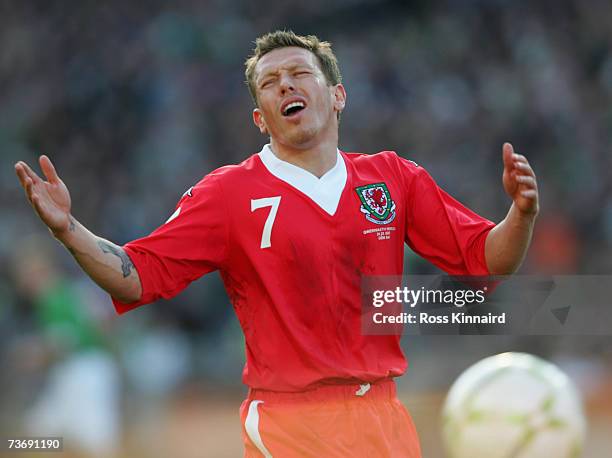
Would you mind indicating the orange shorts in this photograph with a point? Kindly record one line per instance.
(332, 421)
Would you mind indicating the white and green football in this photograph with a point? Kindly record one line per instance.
(513, 405)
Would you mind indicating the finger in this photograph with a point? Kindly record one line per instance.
(527, 181)
(530, 194)
(30, 173)
(29, 188)
(21, 174)
(507, 152)
(32, 196)
(48, 169)
(36, 204)
(524, 168)
(519, 158)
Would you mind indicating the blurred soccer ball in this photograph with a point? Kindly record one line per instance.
(513, 405)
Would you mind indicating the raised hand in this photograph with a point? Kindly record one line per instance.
(50, 199)
(520, 181)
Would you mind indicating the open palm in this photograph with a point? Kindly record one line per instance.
(50, 199)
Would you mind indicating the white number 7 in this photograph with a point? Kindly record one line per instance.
(273, 202)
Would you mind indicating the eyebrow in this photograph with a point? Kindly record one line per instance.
(275, 72)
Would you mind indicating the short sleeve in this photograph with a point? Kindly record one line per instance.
(190, 244)
(441, 229)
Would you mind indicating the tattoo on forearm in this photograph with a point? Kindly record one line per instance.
(126, 262)
(71, 226)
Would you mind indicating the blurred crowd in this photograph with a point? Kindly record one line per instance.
(135, 102)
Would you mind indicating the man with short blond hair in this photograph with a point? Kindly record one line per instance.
(292, 230)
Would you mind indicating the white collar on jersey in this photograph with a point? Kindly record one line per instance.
(324, 191)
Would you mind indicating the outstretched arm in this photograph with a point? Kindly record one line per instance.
(507, 243)
(106, 263)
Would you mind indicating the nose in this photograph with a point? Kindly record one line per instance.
(286, 84)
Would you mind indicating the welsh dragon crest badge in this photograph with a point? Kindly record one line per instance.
(376, 203)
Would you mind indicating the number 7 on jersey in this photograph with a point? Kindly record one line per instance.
(272, 202)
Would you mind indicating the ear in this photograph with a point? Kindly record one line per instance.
(339, 97)
(259, 121)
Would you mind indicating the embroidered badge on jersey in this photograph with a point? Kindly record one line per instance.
(376, 203)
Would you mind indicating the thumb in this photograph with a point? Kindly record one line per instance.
(48, 169)
(507, 151)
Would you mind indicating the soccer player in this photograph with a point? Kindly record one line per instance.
(292, 230)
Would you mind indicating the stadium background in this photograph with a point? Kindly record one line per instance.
(134, 103)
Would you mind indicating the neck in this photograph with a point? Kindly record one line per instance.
(317, 160)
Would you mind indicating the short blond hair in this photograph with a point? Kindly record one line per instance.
(286, 38)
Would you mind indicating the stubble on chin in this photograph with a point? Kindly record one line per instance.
(302, 136)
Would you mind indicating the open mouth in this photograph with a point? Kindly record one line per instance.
(293, 108)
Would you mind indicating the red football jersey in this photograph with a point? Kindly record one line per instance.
(291, 255)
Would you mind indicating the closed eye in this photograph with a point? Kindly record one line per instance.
(267, 83)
